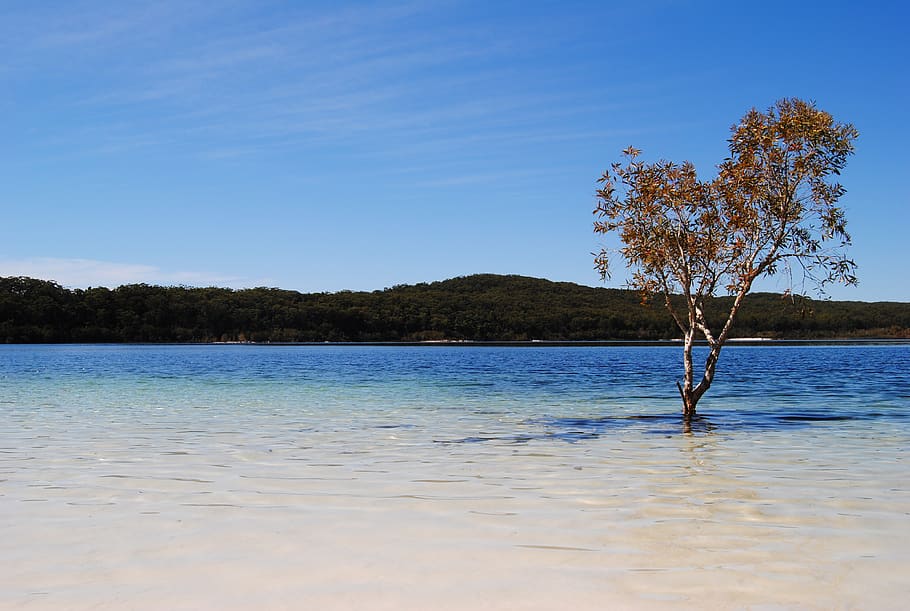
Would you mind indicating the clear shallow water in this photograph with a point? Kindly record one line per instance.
(452, 477)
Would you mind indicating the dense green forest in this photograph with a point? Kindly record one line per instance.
(480, 308)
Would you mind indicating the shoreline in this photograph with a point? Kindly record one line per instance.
(745, 341)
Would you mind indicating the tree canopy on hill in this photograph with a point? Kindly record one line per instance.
(480, 308)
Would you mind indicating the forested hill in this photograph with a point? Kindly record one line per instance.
(482, 308)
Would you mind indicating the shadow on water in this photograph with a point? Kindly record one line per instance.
(575, 429)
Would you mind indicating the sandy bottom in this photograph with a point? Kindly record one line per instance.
(135, 517)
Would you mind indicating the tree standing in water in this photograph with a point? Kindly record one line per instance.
(771, 208)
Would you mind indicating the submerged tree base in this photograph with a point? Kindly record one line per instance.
(689, 403)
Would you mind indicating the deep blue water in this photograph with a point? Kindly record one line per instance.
(568, 393)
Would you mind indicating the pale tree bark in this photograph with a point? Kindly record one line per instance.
(691, 393)
(685, 389)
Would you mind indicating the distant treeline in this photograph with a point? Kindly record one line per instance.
(481, 308)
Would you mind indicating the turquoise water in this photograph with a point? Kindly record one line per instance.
(536, 391)
(338, 474)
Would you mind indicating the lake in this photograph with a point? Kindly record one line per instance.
(452, 477)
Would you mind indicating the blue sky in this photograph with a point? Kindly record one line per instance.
(321, 146)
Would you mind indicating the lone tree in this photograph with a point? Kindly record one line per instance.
(771, 208)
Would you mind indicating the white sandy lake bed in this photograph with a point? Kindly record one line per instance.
(196, 493)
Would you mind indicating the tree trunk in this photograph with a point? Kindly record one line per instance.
(689, 402)
(686, 391)
(690, 396)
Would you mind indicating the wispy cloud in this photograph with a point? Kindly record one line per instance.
(82, 273)
(314, 77)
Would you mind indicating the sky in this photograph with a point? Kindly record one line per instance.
(323, 146)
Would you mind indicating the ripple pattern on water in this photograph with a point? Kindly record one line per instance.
(446, 476)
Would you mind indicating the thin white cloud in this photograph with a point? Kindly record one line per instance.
(324, 76)
(83, 273)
